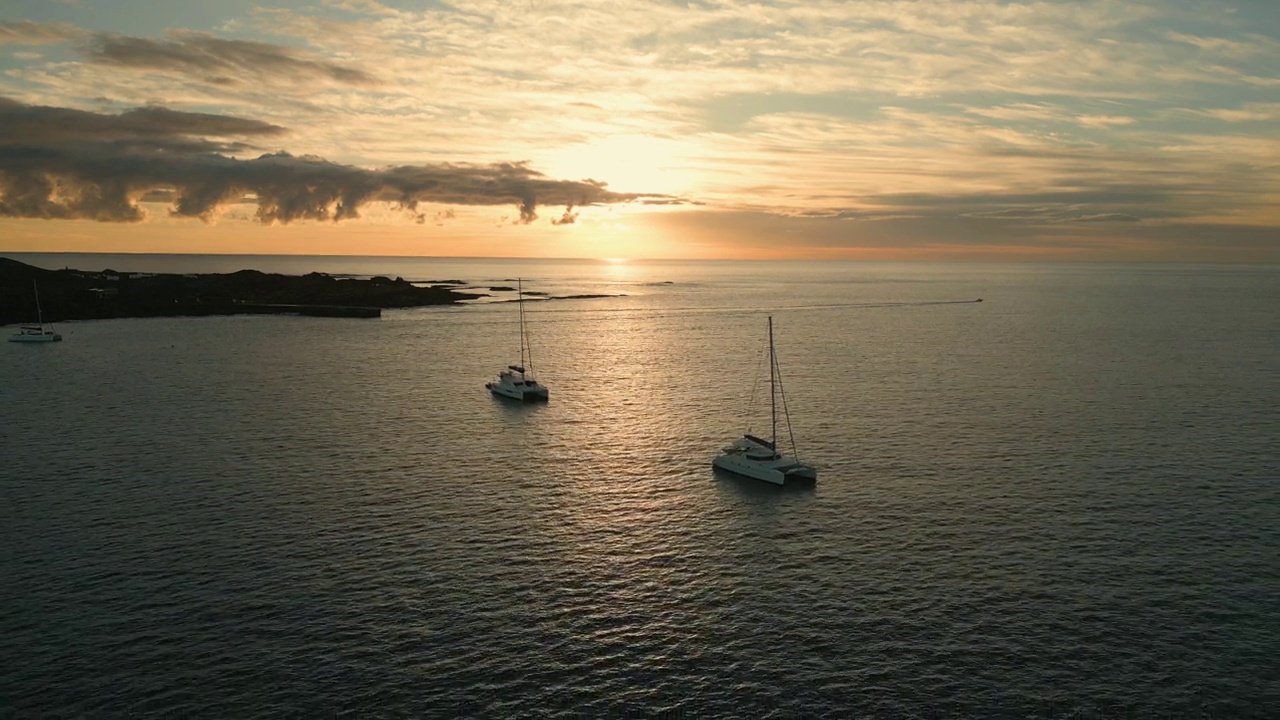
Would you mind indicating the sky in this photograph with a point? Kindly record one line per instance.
(1134, 130)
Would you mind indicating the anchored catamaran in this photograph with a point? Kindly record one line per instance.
(755, 457)
(516, 381)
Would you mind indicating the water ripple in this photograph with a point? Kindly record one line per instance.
(1021, 512)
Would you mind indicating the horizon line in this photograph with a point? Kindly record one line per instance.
(615, 260)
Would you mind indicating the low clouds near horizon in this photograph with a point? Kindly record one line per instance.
(59, 163)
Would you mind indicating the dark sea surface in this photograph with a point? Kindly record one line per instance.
(1063, 501)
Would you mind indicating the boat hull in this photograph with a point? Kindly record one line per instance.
(779, 471)
(25, 338)
(514, 393)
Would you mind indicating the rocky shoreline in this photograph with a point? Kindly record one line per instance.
(85, 295)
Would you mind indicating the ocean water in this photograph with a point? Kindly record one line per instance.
(1063, 501)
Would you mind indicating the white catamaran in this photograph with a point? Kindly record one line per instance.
(38, 332)
(758, 458)
(516, 382)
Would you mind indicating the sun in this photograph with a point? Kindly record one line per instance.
(628, 163)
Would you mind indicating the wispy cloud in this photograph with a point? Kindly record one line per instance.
(25, 32)
(1104, 121)
(1022, 111)
(1249, 45)
(1251, 112)
(218, 60)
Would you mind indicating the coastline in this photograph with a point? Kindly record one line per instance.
(73, 294)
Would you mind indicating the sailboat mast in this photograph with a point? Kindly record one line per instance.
(520, 302)
(773, 402)
(39, 312)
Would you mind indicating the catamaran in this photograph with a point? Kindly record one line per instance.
(38, 332)
(516, 381)
(755, 457)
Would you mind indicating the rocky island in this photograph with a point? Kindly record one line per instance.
(83, 295)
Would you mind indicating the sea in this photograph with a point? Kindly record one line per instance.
(1060, 502)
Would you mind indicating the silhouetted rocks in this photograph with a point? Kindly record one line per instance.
(82, 295)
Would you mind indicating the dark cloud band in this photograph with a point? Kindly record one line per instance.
(219, 60)
(63, 163)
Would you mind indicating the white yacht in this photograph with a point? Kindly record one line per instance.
(755, 457)
(38, 332)
(517, 381)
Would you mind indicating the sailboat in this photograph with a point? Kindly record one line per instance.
(36, 333)
(755, 457)
(516, 381)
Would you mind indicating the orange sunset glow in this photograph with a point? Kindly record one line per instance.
(897, 130)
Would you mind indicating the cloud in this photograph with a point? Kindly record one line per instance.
(195, 54)
(1047, 117)
(61, 163)
(1251, 45)
(970, 237)
(155, 127)
(1020, 111)
(1100, 204)
(25, 32)
(1104, 121)
(1048, 214)
(1251, 112)
(1107, 217)
(219, 60)
(569, 217)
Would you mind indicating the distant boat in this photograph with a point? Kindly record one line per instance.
(755, 457)
(36, 333)
(516, 381)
